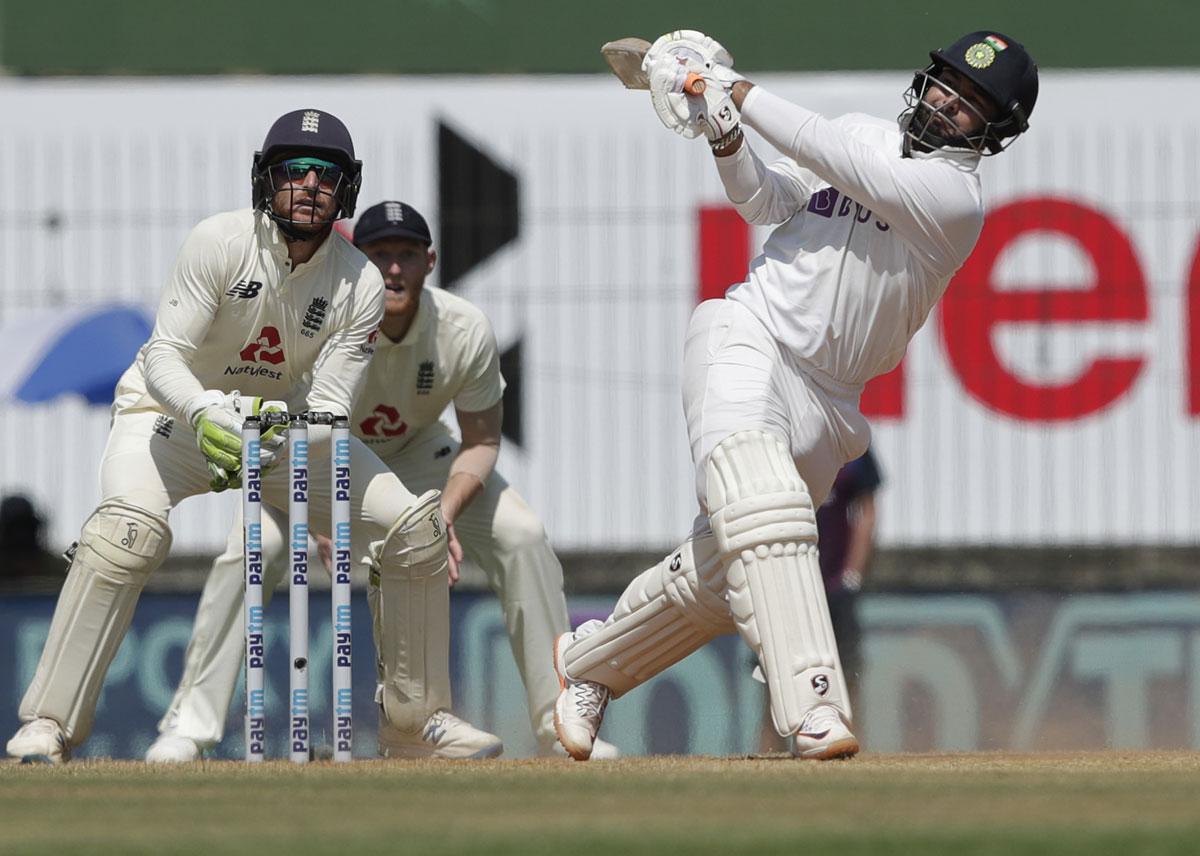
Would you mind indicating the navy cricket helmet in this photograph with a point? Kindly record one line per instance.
(998, 66)
(299, 142)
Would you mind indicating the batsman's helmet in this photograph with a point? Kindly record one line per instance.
(997, 65)
(319, 137)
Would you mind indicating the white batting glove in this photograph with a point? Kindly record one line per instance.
(667, 64)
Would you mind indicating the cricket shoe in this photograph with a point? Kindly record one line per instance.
(824, 735)
(579, 708)
(444, 736)
(173, 749)
(602, 750)
(40, 740)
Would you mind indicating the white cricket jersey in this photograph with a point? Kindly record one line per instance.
(868, 243)
(449, 355)
(234, 315)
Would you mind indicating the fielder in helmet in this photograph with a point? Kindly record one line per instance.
(306, 175)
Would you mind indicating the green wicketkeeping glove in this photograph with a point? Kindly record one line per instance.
(218, 428)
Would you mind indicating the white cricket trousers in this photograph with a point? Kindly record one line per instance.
(736, 378)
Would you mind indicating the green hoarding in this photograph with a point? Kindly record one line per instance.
(561, 36)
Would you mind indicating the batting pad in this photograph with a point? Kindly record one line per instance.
(766, 529)
(119, 547)
(410, 607)
(666, 613)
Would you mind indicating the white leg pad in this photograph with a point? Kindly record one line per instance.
(410, 604)
(665, 614)
(765, 526)
(119, 547)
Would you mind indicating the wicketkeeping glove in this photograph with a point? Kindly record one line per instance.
(218, 428)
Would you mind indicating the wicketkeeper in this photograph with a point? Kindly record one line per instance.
(265, 301)
(875, 218)
(435, 349)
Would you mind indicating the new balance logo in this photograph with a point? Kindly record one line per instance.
(425, 378)
(384, 421)
(311, 122)
(247, 288)
(393, 212)
(314, 316)
(267, 348)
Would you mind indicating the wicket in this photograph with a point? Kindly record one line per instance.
(297, 539)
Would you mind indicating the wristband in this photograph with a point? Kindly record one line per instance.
(727, 139)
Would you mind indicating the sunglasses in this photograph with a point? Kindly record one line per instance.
(296, 170)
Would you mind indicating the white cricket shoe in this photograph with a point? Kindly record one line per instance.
(173, 749)
(444, 736)
(40, 739)
(602, 750)
(824, 735)
(579, 708)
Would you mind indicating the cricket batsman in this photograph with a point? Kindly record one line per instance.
(874, 217)
(263, 304)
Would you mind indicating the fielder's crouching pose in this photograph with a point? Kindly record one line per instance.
(435, 349)
(263, 301)
(875, 220)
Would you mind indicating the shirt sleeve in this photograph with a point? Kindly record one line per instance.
(483, 386)
(340, 370)
(764, 194)
(186, 312)
(929, 205)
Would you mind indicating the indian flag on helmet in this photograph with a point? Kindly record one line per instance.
(997, 43)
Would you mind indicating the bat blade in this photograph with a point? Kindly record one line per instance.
(624, 57)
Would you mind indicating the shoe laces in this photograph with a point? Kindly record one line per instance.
(436, 726)
(590, 698)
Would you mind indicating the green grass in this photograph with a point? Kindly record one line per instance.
(1105, 803)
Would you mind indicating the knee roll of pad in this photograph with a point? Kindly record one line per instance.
(765, 526)
(123, 539)
(666, 613)
(417, 540)
(755, 495)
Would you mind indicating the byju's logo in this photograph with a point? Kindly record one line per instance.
(828, 202)
(385, 421)
(267, 348)
(247, 288)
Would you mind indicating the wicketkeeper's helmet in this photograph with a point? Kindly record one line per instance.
(319, 137)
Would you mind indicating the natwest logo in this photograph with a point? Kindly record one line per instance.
(385, 421)
(266, 348)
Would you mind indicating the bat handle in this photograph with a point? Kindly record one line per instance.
(693, 84)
